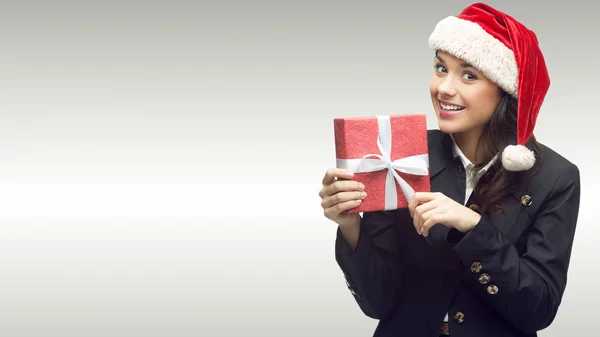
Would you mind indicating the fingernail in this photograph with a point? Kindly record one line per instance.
(363, 194)
(361, 186)
(358, 201)
(421, 230)
(349, 174)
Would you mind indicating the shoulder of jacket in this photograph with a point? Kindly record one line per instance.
(553, 163)
(434, 136)
(555, 173)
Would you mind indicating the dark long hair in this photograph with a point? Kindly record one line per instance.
(500, 131)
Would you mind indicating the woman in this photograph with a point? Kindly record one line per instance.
(486, 253)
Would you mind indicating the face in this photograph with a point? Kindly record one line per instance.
(464, 100)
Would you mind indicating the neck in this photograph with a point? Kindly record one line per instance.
(467, 142)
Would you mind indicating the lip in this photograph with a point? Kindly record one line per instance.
(446, 113)
(448, 103)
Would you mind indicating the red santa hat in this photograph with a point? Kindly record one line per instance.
(507, 53)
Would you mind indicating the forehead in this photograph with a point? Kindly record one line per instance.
(447, 57)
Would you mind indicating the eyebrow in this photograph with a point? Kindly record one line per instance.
(464, 64)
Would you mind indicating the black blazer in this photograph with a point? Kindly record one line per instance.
(504, 278)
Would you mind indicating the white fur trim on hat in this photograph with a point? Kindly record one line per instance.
(517, 158)
(468, 41)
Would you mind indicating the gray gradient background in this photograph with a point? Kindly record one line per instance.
(160, 162)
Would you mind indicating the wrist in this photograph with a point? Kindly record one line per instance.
(352, 222)
(471, 222)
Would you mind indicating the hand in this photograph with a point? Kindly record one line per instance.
(429, 209)
(339, 194)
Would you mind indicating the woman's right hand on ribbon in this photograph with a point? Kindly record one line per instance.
(340, 193)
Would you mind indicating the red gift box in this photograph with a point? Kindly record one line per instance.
(388, 154)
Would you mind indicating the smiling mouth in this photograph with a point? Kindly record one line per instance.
(450, 107)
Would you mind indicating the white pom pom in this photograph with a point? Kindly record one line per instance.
(517, 158)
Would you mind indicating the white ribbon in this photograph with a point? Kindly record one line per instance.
(417, 165)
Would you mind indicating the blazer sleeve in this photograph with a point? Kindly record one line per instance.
(372, 270)
(526, 288)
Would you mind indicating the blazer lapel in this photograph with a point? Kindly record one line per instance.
(445, 173)
(445, 177)
(505, 220)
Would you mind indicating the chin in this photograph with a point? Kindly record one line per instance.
(449, 127)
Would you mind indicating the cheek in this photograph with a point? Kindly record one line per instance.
(481, 112)
(433, 85)
(484, 103)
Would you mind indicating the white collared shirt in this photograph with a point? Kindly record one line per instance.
(470, 183)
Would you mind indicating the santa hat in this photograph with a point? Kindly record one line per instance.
(507, 53)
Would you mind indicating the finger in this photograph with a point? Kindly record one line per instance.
(333, 173)
(341, 186)
(337, 209)
(342, 197)
(426, 196)
(426, 215)
(418, 198)
(420, 211)
(433, 220)
(412, 204)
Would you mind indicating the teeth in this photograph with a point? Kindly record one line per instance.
(451, 107)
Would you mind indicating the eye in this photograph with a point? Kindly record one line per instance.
(439, 68)
(469, 77)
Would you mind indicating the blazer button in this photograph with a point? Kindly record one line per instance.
(526, 200)
(476, 267)
(459, 317)
(492, 289)
(484, 278)
(474, 208)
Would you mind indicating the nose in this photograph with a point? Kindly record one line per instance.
(447, 87)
